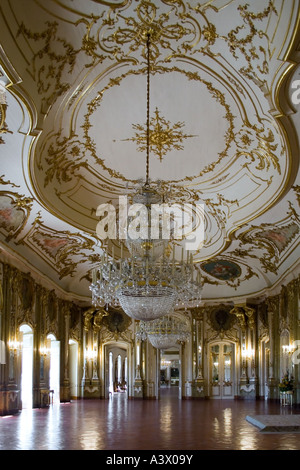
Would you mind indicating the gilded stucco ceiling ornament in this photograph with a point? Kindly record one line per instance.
(3, 181)
(123, 38)
(14, 213)
(67, 155)
(265, 152)
(115, 32)
(48, 66)
(117, 42)
(163, 136)
(63, 250)
(114, 39)
(3, 109)
(241, 43)
(65, 158)
(297, 192)
(268, 242)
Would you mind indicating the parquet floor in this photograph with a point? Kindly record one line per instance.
(165, 424)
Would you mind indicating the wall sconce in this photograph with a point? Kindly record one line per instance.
(287, 349)
(248, 353)
(44, 351)
(90, 354)
(165, 363)
(14, 345)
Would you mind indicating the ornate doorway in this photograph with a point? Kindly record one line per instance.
(27, 366)
(222, 370)
(116, 369)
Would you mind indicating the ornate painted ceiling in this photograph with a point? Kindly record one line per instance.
(224, 131)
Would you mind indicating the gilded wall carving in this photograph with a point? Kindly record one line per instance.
(245, 326)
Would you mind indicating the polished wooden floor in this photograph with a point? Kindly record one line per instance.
(165, 424)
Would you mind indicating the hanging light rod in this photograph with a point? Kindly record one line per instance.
(148, 107)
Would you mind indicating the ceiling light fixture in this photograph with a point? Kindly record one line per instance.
(147, 284)
(164, 333)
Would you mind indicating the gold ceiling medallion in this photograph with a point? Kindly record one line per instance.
(163, 137)
(121, 38)
(67, 157)
(124, 38)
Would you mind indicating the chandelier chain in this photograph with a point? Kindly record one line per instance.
(148, 107)
(146, 285)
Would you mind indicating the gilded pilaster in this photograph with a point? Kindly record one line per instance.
(91, 381)
(9, 387)
(150, 375)
(198, 384)
(138, 386)
(293, 313)
(297, 339)
(37, 314)
(2, 343)
(64, 357)
(42, 351)
(252, 348)
(272, 309)
(239, 312)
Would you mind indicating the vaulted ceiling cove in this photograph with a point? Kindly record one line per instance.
(224, 132)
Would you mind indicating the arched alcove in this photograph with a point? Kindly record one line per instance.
(54, 370)
(26, 334)
(73, 369)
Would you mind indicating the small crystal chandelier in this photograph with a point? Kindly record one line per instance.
(164, 333)
(148, 284)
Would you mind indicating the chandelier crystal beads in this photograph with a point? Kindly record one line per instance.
(146, 289)
(147, 284)
(164, 333)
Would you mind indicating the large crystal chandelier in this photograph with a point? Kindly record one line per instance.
(150, 282)
(164, 333)
(144, 288)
